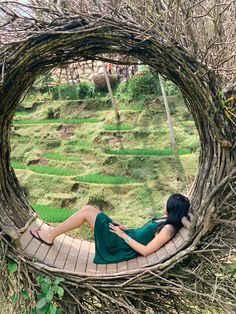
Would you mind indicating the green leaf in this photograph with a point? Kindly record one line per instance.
(25, 294)
(50, 295)
(44, 287)
(14, 298)
(43, 310)
(12, 267)
(48, 280)
(58, 280)
(39, 279)
(60, 291)
(53, 309)
(41, 303)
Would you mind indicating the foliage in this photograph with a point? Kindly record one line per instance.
(53, 214)
(57, 156)
(49, 289)
(134, 107)
(104, 179)
(118, 127)
(141, 86)
(46, 169)
(47, 90)
(64, 121)
(170, 88)
(21, 113)
(144, 87)
(47, 296)
(50, 113)
(148, 152)
(78, 91)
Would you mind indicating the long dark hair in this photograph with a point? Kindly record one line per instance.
(177, 207)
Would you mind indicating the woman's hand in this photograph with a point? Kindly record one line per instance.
(118, 224)
(117, 230)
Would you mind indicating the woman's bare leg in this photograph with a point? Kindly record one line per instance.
(87, 214)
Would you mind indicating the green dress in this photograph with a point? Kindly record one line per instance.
(110, 248)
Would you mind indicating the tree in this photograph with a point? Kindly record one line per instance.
(190, 43)
(170, 126)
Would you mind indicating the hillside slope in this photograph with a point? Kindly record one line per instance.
(83, 157)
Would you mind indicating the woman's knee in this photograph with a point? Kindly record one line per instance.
(90, 214)
(90, 210)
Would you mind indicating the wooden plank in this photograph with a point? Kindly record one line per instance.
(122, 266)
(73, 254)
(101, 269)
(162, 254)
(153, 259)
(44, 248)
(26, 237)
(184, 233)
(83, 257)
(54, 249)
(132, 264)
(142, 261)
(91, 266)
(34, 244)
(112, 268)
(63, 252)
(178, 240)
(170, 247)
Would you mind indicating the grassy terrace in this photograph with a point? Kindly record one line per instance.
(146, 152)
(53, 214)
(105, 179)
(89, 178)
(54, 121)
(59, 157)
(118, 127)
(22, 113)
(46, 169)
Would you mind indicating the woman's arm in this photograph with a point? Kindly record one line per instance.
(160, 239)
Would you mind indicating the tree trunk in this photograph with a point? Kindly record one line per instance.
(113, 101)
(171, 128)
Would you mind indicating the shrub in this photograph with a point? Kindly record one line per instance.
(142, 85)
(170, 88)
(79, 91)
(85, 90)
(50, 113)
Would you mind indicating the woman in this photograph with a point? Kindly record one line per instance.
(114, 242)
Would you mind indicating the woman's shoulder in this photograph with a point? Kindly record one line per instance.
(168, 229)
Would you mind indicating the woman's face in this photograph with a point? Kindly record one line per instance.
(164, 211)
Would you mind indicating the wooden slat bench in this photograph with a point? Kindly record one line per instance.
(71, 254)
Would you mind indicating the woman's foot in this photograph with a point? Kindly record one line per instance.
(43, 236)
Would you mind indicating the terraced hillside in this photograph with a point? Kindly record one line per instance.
(83, 157)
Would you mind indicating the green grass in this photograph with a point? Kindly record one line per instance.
(64, 121)
(18, 165)
(146, 152)
(79, 144)
(21, 113)
(56, 156)
(118, 127)
(137, 107)
(104, 179)
(46, 169)
(23, 138)
(53, 214)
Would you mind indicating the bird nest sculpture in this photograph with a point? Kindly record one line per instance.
(194, 46)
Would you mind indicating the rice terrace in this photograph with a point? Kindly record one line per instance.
(118, 156)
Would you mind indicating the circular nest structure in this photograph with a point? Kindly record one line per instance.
(188, 278)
